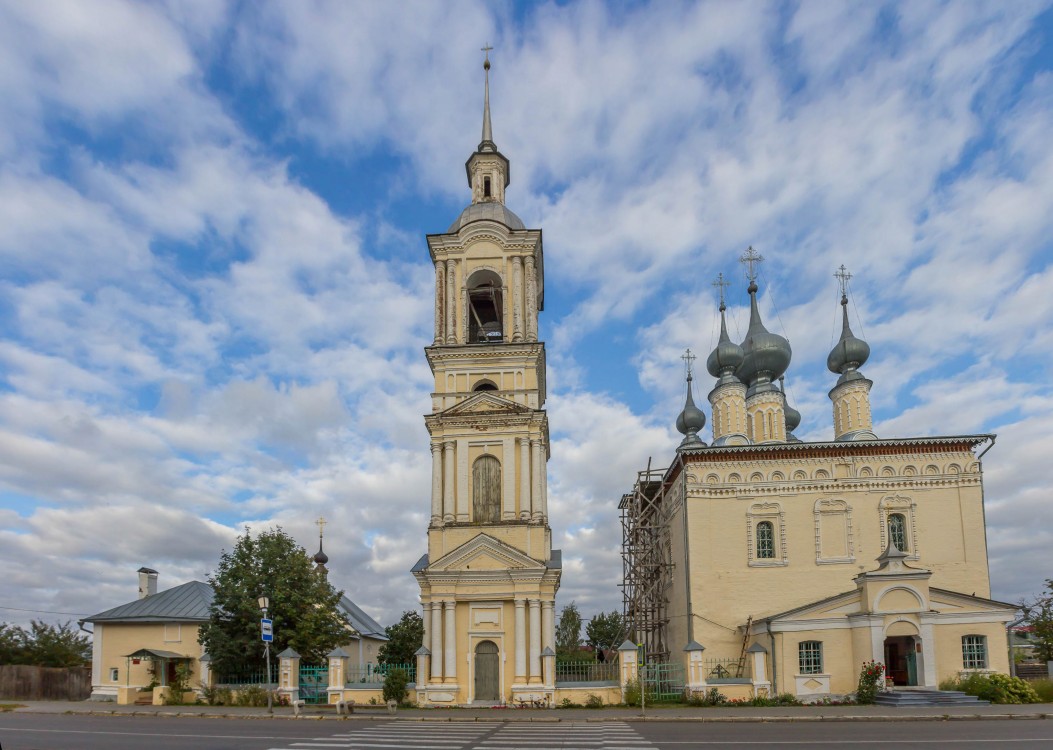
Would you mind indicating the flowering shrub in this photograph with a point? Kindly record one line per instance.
(870, 677)
(997, 688)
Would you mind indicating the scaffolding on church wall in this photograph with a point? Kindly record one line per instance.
(647, 563)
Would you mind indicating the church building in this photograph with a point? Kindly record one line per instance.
(785, 565)
(489, 579)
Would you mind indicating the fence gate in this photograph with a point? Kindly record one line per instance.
(313, 684)
(663, 682)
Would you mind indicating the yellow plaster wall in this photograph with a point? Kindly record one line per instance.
(120, 639)
(949, 647)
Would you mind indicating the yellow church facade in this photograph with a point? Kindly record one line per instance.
(489, 579)
(790, 564)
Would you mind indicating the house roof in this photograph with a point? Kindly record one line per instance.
(188, 602)
(360, 621)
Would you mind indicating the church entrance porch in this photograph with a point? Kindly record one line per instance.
(487, 672)
(901, 660)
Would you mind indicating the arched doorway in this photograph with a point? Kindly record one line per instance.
(902, 653)
(487, 672)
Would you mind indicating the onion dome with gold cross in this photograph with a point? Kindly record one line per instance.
(726, 358)
(849, 353)
(691, 420)
(766, 355)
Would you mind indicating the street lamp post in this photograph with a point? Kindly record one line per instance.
(265, 603)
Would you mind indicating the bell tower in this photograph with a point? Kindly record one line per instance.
(489, 579)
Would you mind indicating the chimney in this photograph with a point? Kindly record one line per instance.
(147, 582)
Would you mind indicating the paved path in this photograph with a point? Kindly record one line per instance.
(791, 713)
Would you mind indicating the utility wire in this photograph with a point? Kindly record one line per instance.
(46, 611)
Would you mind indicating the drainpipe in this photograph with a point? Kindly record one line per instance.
(687, 551)
(774, 668)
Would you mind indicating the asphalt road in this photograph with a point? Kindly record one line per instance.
(64, 732)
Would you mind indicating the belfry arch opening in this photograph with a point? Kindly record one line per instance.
(485, 308)
(485, 385)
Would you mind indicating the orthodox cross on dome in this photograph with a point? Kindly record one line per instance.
(688, 358)
(842, 277)
(751, 259)
(721, 284)
(486, 50)
(321, 522)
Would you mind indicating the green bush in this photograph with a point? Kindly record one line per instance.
(996, 688)
(251, 695)
(593, 701)
(217, 696)
(395, 685)
(711, 697)
(871, 676)
(1043, 689)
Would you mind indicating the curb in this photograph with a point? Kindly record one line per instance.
(558, 720)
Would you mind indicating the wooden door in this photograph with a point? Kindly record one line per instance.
(487, 672)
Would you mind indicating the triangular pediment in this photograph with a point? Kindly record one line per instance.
(484, 553)
(947, 601)
(485, 402)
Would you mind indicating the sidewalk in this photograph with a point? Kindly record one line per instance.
(379, 713)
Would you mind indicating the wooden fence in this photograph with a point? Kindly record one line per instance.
(1032, 671)
(28, 683)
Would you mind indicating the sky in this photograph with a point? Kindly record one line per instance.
(215, 288)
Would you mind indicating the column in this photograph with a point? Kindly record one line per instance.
(451, 297)
(426, 640)
(448, 495)
(531, 301)
(462, 502)
(548, 625)
(535, 641)
(508, 478)
(517, 299)
(440, 300)
(451, 640)
(436, 641)
(436, 483)
(524, 479)
(521, 656)
(535, 475)
(543, 500)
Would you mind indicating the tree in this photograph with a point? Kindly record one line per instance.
(606, 631)
(1039, 615)
(568, 631)
(404, 638)
(56, 645)
(12, 644)
(44, 645)
(303, 604)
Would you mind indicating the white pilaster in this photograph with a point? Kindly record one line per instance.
(531, 305)
(462, 501)
(521, 642)
(449, 493)
(517, 299)
(436, 642)
(436, 483)
(548, 625)
(535, 641)
(508, 476)
(451, 640)
(535, 474)
(451, 301)
(543, 500)
(440, 297)
(524, 479)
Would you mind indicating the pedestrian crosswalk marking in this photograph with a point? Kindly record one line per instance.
(513, 735)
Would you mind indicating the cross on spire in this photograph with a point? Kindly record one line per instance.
(842, 277)
(321, 522)
(721, 284)
(751, 259)
(688, 358)
(486, 50)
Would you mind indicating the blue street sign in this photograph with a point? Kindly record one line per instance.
(267, 630)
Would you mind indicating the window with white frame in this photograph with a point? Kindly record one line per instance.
(113, 674)
(897, 531)
(765, 541)
(173, 633)
(810, 657)
(974, 651)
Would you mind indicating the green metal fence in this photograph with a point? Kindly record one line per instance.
(314, 682)
(248, 677)
(663, 683)
(377, 673)
(586, 671)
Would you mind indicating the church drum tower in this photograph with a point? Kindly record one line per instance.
(489, 580)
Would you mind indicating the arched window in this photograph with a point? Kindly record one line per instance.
(485, 385)
(485, 308)
(486, 188)
(765, 541)
(897, 531)
(486, 490)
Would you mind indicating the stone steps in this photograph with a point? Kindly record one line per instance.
(914, 697)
